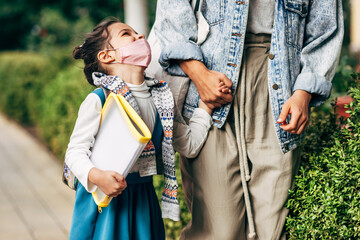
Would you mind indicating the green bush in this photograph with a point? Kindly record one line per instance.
(23, 77)
(173, 229)
(59, 107)
(43, 92)
(325, 203)
(54, 31)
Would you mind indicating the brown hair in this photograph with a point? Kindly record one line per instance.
(94, 42)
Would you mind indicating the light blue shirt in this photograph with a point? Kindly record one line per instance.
(306, 43)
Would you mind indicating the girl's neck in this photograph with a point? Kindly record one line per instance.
(130, 74)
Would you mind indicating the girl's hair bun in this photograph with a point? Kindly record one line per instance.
(78, 53)
(94, 42)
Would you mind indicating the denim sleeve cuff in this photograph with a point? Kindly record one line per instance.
(317, 85)
(179, 51)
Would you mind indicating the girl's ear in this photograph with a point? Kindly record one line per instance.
(104, 56)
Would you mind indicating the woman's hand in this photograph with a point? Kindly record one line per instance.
(110, 182)
(222, 88)
(298, 106)
(207, 83)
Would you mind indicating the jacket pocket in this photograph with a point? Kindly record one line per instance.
(213, 11)
(295, 17)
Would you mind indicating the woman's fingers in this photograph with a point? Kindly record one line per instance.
(298, 106)
(297, 124)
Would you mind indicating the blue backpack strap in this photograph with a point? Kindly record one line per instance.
(101, 94)
(157, 134)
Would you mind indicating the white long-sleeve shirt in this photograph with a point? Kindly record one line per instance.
(187, 140)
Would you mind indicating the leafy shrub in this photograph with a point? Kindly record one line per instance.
(42, 92)
(23, 76)
(54, 31)
(173, 229)
(325, 203)
(59, 107)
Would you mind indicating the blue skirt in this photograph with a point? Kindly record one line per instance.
(134, 214)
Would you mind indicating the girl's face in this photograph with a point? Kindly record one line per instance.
(122, 34)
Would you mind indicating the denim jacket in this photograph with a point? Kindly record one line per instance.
(305, 47)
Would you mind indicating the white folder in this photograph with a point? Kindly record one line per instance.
(121, 138)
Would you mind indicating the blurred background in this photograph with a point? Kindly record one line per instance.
(42, 86)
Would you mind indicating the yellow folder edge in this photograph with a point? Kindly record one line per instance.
(126, 110)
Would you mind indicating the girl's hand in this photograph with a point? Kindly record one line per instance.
(110, 182)
(209, 107)
(223, 88)
(207, 83)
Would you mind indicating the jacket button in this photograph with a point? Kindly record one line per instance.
(303, 8)
(275, 86)
(236, 34)
(271, 56)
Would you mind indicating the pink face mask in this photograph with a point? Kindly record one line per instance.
(137, 53)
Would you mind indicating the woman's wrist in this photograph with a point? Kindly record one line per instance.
(193, 68)
(304, 94)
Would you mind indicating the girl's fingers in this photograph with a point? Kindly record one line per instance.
(226, 80)
(226, 90)
(118, 177)
(223, 88)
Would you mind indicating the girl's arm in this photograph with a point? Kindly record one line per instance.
(78, 153)
(189, 139)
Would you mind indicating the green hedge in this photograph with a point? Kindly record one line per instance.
(22, 76)
(59, 106)
(325, 203)
(46, 92)
(42, 92)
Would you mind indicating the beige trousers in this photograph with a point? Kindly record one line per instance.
(212, 182)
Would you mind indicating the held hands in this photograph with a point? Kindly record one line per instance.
(110, 182)
(222, 88)
(298, 106)
(213, 87)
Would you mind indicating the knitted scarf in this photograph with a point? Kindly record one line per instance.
(164, 103)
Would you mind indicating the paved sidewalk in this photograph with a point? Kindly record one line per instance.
(34, 203)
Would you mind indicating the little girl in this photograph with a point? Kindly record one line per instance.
(115, 58)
